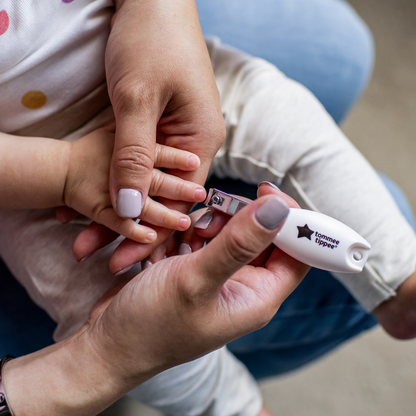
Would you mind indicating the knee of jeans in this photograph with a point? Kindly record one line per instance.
(353, 48)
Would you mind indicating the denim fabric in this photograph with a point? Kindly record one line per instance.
(323, 44)
(24, 327)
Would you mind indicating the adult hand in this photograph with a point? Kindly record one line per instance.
(162, 87)
(174, 311)
(185, 306)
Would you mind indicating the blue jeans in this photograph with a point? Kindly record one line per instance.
(324, 45)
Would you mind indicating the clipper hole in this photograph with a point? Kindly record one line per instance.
(357, 255)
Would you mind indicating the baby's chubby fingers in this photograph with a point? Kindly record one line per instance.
(126, 227)
(172, 158)
(174, 188)
(159, 215)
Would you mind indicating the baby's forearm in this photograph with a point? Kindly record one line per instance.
(32, 172)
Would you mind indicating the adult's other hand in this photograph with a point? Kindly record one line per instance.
(174, 311)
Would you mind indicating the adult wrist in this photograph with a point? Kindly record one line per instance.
(119, 354)
(64, 379)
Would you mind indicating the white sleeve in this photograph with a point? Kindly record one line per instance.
(279, 132)
(214, 385)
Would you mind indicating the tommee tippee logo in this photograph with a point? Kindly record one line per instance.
(320, 239)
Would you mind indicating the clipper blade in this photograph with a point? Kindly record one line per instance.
(224, 202)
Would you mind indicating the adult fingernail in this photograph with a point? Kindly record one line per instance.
(185, 248)
(272, 213)
(204, 221)
(129, 203)
(85, 258)
(146, 264)
(268, 183)
(125, 270)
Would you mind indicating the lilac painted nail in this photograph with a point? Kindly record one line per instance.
(185, 248)
(204, 221)
(85, 258)
(125, 270)
(272, 213)
(129, 203)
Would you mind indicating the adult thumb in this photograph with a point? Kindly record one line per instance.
(132, 162)
(243, 239)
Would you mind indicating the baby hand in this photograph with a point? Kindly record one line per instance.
(87, 191)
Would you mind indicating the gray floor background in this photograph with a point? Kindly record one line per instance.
(372, 375)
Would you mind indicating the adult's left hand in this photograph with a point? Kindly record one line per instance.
(162, 88)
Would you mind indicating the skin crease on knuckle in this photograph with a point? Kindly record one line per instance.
(97, 212)
(134, 159)
(129, 96)
(237, 249)
(168, 218)
(158, 181)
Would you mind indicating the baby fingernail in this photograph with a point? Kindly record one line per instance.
(192, 162)
(125, 270)
(129, 203)
(185, 248)
(200, 194)
(268, 183)
(272, 213)
(204, 222)
(150, 237)
(183, 223)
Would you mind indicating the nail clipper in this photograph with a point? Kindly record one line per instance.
(308, 236)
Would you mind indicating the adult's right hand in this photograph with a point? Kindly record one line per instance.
(186, 306)
(174, 311)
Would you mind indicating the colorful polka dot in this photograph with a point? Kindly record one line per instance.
(4, 22)
(34, 100)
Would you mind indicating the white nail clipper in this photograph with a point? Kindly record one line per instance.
(308, 236)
